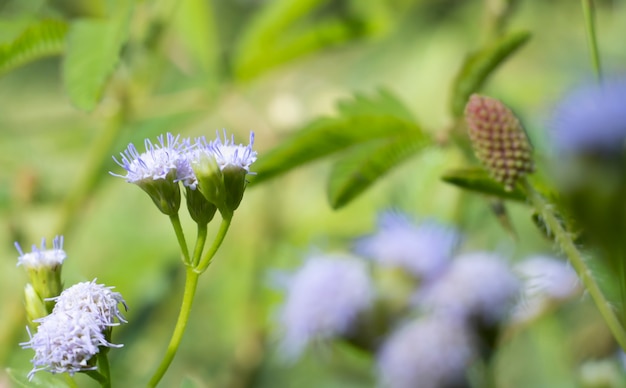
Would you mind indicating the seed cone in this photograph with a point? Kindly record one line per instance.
(498, 139)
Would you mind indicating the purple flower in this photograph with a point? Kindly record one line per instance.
(324, 298)
(67, 339)
(476, 286)
(43, 257)
(430, 352)
(591, 118)
(423, 250)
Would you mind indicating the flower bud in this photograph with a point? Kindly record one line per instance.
(200, 209)
(210, 178)
(35, 306)
(498, 139)
(235, 184)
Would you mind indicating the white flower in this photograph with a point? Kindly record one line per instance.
(96, 299)
(228, 154)
(157, 162)
(43, 257)
(546, 280)
(431, 352)
(476, 286)
(67, 339)
(324, 299)
(424, 250)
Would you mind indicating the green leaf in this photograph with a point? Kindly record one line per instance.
(352, 175)
(93, 51)
(42, 379)
(361, 120)
(195, 21)
(41, 39)
(479, 65)
(478, 179)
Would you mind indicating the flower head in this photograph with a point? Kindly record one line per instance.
(78, 327)
(477, 287)
(95, 299)
(498, 139)
(38, 258)
(423, 250)
(324, 299)
(591, 118)
(430, 352)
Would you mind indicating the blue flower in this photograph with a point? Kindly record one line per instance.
(324, 299)
(431, 352)
(591, 118)
(423, 250)
(477, 286)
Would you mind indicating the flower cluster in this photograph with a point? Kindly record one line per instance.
(454, 310)
(68, 339)
(217, 169)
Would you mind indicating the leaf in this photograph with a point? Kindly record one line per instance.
(41, 39)
(195, 21)
(479, 65)
(352, 175)
(93, 51)
(361, 120)
(42, 379)
(477, 179)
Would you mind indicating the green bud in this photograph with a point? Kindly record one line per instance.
(210, 180)
(200, 210)
(235, 183)
(36, 307)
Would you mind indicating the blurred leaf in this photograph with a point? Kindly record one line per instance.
(479, 66)
(47, 380)
(195, 20)
(359, 170)
(361, 120)
(283, 30)
(478, 179)
(40, 39)
(93, 51)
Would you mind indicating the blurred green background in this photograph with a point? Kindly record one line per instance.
(196, 66)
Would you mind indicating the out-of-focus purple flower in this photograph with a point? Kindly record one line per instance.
(477, 286)
(423, 250)
(432, 352)
(546, 280)
(591, 118)
(324, 299)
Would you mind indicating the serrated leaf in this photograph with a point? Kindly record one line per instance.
(329, 135)
(477, 179)
(356, 172)
(42, 379)
(41, 39)
(93, 51)
(479, 65)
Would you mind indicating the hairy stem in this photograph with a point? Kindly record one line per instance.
(563, 238)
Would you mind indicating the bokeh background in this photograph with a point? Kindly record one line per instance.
(195, 66)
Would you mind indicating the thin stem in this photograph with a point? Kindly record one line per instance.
(180, 236)
(564, 240)
(104, 382)
(590, 27)
(200, 242)
(219, 238)
(191, 284)
(103, 367)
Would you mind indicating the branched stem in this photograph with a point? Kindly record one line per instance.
(563, 238)
(191, 283)
(208, 256)
(590, 27)
(200, 242)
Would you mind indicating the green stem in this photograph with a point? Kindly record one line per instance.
(191, 284)
(590, 27)
(200, 242)
(180, 236)
(564, 240)
(103, 367)
(104, 382)
(219, 238)
(70, 381)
